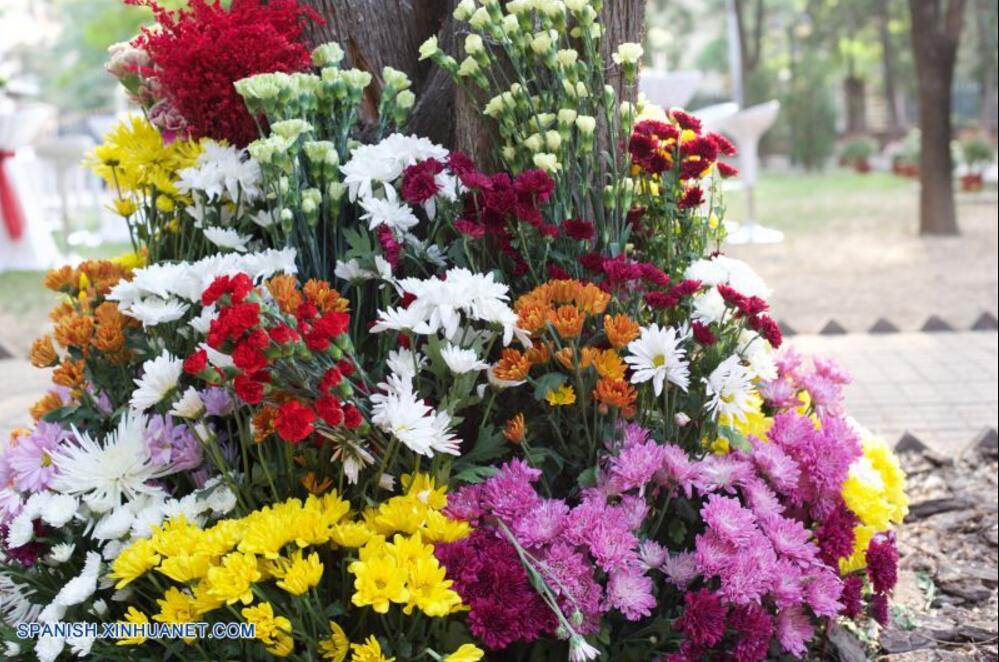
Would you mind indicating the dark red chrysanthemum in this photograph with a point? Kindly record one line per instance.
(419, 182)
(198, 53)
(882, 563)
(578, 229)
(703, 617)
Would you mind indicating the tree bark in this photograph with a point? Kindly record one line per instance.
(856, 104)
(888, 69)
(376, 33)
(936, 30)
(750, 44)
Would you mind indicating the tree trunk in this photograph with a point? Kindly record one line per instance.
(376, 33)
(935, 34)
(888, 69)
(856, 105)
(750, 45)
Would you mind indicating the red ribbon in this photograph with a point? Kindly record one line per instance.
(10, 206)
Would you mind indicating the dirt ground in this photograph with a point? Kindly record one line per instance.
(856, 274)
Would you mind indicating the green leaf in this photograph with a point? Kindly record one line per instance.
(546, 383)
(735, 438)
(490, 445)
(475, 474)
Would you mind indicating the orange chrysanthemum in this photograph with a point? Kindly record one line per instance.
(616, 393)
(103, 274)
(531, 317)
(567, 321)
(513, 365)
(43, 353)
(609, 364)
(48, 403)
(284, 289)
(620, 330)
(325, 298)
(565, 357)
(515, 430)
(69, 373)
(75, 331)
(63, 279)
(314, 485)
(539, 354)
(264, 423)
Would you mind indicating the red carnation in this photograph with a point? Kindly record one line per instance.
(391, 247)
(352, 417)
(330, 410)
(345, 367)
(294, 421)
(419, 182)
(196, 362)
(198, 53)
(578, 229)
(282, 334)
(535, 182)
(660, 300)
(248, 358)
(592, 262)
(248, 389)
(557, 273)
(330, 379)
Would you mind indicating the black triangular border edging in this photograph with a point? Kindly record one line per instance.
(832, 328)
(883, 326)
(986, 322)
(935, 324)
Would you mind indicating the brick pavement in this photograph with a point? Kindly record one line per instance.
(940, 387)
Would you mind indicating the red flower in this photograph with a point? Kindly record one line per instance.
(419, 182)
(724, 146)
(469, 228)
(248, 358)
(685, 120)
(294, 421)
(654, 274)
(578, 229)
(237, 287)
(345, 367)
(725, 170)
(248, 389)
(660, 300)
(535, 182)
(592, 262)
(330, 410)
(703, 334)
(390, 246)
(557, 273)
(352, 417)
(306, 311)
(232, 322)
(199, 52)
(691, 198)
(196, 362)
(462, 165)
(282, 334)
(330, 379)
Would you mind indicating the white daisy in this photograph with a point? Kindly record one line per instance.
(153, 311)
(729, 388)
(657, 356)
(461, 360)
(104, 474)
(159, 378)
(388, 211)
(227, 238)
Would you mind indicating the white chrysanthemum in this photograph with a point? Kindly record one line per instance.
(709, 306)
(48, 648)
(400, 412)
(461, 360)
(202, 323)
(81, 587)
(388, 211)
(656, 355)
(580, 650)
(227, 238)
(383, 162)
(159, 378)
(442, 305)
(222, 169)
(730, 388)
(20, 531)
(189, 405)
(105, 474)
(80, 646)
(353, 271)
(759, 354)
(405, 363)
(58, 509)
(15, 603)
(61, 553)
(114, 524)
(153, 311)
(724, 270)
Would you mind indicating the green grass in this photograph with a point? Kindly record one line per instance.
(799, 203)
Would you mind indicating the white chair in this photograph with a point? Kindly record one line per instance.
(669, 89)
(745, 128)
(64, 155)
(713, 117)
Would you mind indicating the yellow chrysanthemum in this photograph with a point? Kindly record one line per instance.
(185, 567)
(429, 591)
(441, 528)
(465, 653)
(302, 573)
(378, 581)
(136, 617)
(232, 581)
(562, 396)
(271, 630)
(336, 646)
(134, 561)
(369, 651)
(175, 607)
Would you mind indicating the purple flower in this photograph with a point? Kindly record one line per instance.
(747, 578)
(776, 465)
(680, 569)
(703, 618)
(510, 494)
(613, 546)
(755, 628)
(786, 586)
(10, 504)
(831, 370)
(728, 519)
(761, 499)
(542, 524)
(652, 554)
(630, 592)
(29, 463)
(878, 609)
(822, 592)
(172, 444)
(794, 630)
(835, 534)
(882, 563)
(217, 401)
(788, 362)
(569, 573)
(465, 504)
(722, 472)
(790, 538)
(853, 588)
(780, 393)
(677, 470)
(635, 465)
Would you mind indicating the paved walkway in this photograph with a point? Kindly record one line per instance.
(940, 387)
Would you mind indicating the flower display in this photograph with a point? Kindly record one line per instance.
(375, 402)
